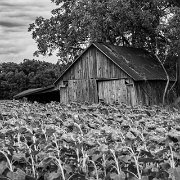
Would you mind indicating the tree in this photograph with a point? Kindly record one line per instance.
(74, 24)
(173, 34)
(15, 78)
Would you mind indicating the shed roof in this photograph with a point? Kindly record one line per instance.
(139, 64)
(34, 91)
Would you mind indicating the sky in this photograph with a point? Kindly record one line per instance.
(16, 43)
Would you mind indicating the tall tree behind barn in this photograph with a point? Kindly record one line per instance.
(113, 74)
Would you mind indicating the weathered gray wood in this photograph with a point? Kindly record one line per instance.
(83, 90)
(93, 64)
(64, 95)
(113, 91)
(151, 92)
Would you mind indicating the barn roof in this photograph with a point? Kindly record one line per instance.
(139, 64)
(34, 91)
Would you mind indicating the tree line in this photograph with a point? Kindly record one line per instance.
(15, 78)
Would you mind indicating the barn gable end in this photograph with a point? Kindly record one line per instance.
(93, 65)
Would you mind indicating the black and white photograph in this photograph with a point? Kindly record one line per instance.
(89, 90)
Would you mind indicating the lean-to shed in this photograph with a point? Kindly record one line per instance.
(42, 95)
(113, 74)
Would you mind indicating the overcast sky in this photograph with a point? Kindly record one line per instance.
(16, 42)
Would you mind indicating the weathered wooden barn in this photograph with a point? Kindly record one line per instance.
(113, 74)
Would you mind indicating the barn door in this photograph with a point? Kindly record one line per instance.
(84, 90)
(112, 91)
(64, 95)
(131, 96)
(72, 90)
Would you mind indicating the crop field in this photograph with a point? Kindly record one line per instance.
(88, 142)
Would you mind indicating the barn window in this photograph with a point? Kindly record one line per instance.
(65, 83)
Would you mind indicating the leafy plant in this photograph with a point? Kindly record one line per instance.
(88, 142)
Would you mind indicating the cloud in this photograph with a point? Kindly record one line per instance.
(16, 15)
(10, 24)
(22, 3)
(10, 51)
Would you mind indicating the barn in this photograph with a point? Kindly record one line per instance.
(113, 74)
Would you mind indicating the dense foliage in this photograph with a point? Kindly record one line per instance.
(138, 23)
(15, 78)
(88, 142)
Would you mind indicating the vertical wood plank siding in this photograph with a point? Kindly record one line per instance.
(151, 92)
(79, 91)
(147, 93)
(112, 91)
(117, 91)
(93, 64)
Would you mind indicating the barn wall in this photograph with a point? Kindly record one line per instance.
(117, 91)
(79, 91)
(151, 92)
(93, 64)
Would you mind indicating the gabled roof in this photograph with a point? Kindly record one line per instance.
(34, 91)
(137, 63)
